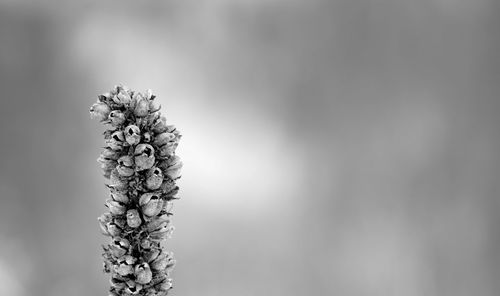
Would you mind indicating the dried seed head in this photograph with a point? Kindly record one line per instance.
(144, 157)
(132, 134)
(143, 273)
(133, 218)
(142, 106)
(100, 111)
(116, 118)
(151, 204)
(154, 178)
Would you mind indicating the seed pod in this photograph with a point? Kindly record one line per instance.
(104, 97)
(125, 166)
(120, 196)
(116, 181)
(125, 265)
(143, 273)
(116, 118)
(133, 218)
(100, 111)
(165, 285)
(160, 126)
(144, 157)
(146, 244)
(151, 204)
(113, 229)
(146, 137)
(123, 97)
(115, 142)
(142, 106)
(163, 138)
(119, 247)
(164, 232)
(110, 154)
(132, 134)
(154, 178)
(115, 207)
(103, 220)
(164, 261)
(151, 255)
(117, 284)
(158, 222)
(133, 288)
(167, 149)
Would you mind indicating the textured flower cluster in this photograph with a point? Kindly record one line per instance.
(140, 162)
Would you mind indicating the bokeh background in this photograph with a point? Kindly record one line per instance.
(330, 147)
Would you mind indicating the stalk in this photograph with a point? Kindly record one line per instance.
(140, 162)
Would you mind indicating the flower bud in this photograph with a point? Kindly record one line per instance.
(174, 170)
(154, 178)
(120, 196)
(116, 117)
(132, 134)
(119, 247)
(163, 138)
(125, 265)
(144, 157)
(100, 111)
(133, 218)
(125, 166)
(151, 204)
(143, 273)
(142, 106)
(115, 207)
(115, 142)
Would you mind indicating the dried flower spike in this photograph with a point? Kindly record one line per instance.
(140, 162)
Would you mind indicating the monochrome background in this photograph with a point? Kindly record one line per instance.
(329, 147)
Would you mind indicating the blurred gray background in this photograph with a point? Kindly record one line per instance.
(330, 147)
